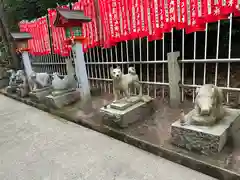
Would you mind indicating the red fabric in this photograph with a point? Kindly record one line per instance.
(32, 28)
(229, 7)
(182, 18)
(155, 31)
(193, 26)
(124, 27)
(237, 11)
(133, 18)
(44, 36)
(91, 27)
(58, 36)
(80, 6)
(172, 10)
(104, 22)
(212, 11)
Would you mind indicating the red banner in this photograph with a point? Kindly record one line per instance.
(172, 10)
(44, 36)
(80, 6)
(228, 6)
(123, 17)
(211, 9)
(155, 31)
(193, 25)
(58, 36)
(182, 14)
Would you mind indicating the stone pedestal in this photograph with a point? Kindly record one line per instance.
(40, 94)
(204, 139)
(124, 113)
(11, 89)
(61, 100)
(4, 83)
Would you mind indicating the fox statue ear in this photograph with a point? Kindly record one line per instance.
(197, 90)
(111, 71)
(118, 67)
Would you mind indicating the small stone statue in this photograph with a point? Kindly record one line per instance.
(122, 82)
(39, 81)
(208, 107)
(12, 78)
(68, 83)
(23, 87)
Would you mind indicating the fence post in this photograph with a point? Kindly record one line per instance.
(81, 72)
(174, 76)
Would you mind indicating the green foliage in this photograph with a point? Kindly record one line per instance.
(18, 10)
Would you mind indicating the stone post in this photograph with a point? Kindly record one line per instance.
(81, 72)
(27, 63)
(174, 76)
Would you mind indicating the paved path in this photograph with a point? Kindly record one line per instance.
(35, 145)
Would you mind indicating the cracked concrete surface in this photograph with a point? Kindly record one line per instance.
(35, 145)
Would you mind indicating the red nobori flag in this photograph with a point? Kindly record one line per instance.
(155, 31)
(109, 12)
(34, 43)
(41, 36)
(91, 26)
(172, 10)
(228, 6)
(134, 17)
(139, 18)
(164, 25)
(237, 10)
(165, 14)
(38, 39)
(107, 33)
(182, 14)
(80, 6)
(24, 27)
(192, 23)
(94, 24)
(211, 9)
(115, 20)
(144, 18)
(124, 15)
(58, 36)
(45, 35)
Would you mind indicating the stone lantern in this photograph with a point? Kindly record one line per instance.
(72, 21)
(21, 39)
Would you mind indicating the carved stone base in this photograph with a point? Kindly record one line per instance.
(62, 99)
(11, 89)
(40, 94)
(204, 139)
(22, 92)
(124, 113)
(3, 83)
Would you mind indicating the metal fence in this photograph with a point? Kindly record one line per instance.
(211, 65)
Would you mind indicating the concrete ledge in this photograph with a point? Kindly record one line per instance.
(183, 159)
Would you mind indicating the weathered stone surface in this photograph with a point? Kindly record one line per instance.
(204, 139)
(40, 94)
(123, 104)
(4, 82)
(11, 89)
(62, 100)
(126, 113)
(208, 108)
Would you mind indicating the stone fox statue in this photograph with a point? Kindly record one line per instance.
(39, 80)
(208, 105)
(122, 82)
